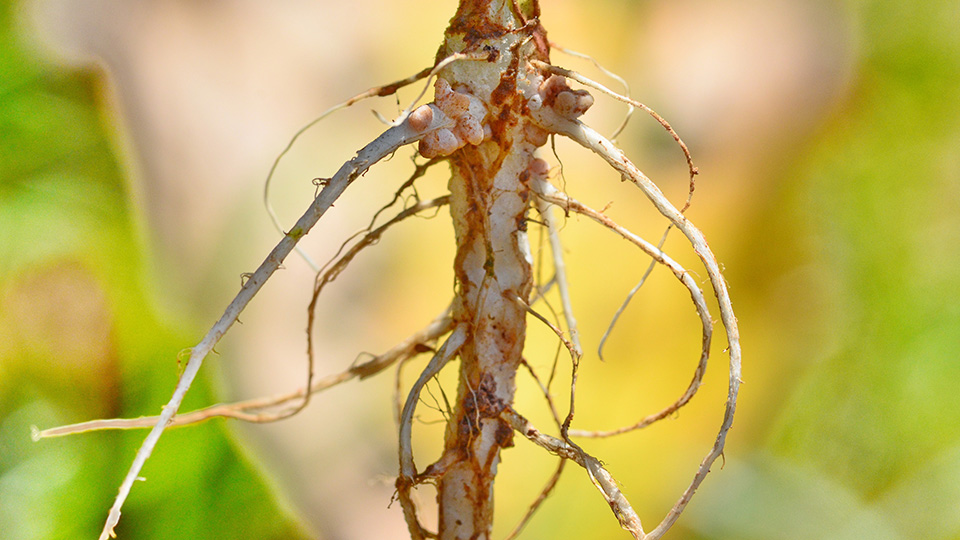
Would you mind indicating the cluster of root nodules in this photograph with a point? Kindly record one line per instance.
(555, 94)
(464, 109)
(565, 101)
(468, 112)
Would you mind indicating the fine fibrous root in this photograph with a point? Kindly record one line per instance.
(548, 193)
(335, 268)
(608, 73)
(598, 475)
(419, 170)
(408, 470)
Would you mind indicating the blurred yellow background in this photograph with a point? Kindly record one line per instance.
(134, 140)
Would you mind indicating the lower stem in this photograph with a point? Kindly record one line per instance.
(489, 204)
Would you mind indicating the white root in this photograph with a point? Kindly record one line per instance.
(626, 87)
(599, 476)
(590, 139)
(408, 469)
(538, 171)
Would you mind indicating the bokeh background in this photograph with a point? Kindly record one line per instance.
(134, 140)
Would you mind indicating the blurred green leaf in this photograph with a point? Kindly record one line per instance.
(66, 229)
(882, 190)
(867, 444)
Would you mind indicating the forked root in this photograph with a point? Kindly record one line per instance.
(590, 139)
(408, 470)
(548, 193)
(338, 265)
(557, 70)
(599, 476)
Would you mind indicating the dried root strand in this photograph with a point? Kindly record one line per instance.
(408, 470)
(599, 476)
(598, 144)
(259, 410)
(608, 73)
(535, 505)
(420, 124)
(692, 169)
(548, 193)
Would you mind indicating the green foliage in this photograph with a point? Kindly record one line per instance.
(872, 426)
